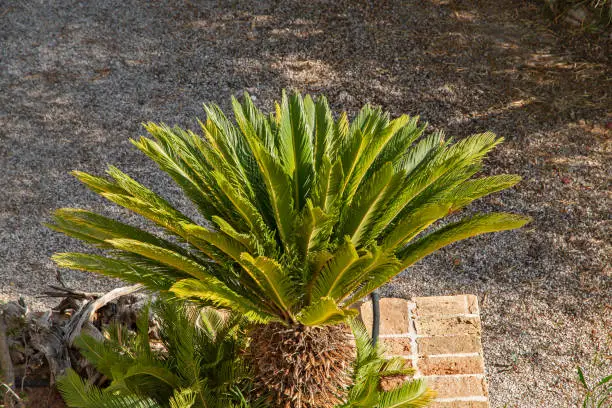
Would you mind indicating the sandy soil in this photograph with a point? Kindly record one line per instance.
(77, 79)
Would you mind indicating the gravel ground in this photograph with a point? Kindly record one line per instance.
(77, 79)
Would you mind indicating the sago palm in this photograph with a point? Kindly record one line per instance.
(304, 214)
(196, 363)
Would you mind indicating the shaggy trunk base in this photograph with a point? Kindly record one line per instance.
(302, 367)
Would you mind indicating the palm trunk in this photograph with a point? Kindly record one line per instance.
(300, 366)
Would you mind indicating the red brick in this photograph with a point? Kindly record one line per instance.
(464, 386)
(448, 326)
(365, 313)
(451, 365)
(398, 346)
(390, 383)
(393, 316)
(448, 345)
(441, 305)
(472, 301)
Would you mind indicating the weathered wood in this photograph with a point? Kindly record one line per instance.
(73, 328)
(52, 333)
(65, 292)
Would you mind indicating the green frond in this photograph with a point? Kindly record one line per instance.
(79, 394)
(442, 167)
(328, 187)
(168, 257)
(211, 321)
(178, 158)
(413, 394)
(471, 190)
(376, 141)
(466, 228)
(473, 148)
(375, 278)
(146, 379)
(183, 399)
(141, 193)
(275, 283)
(323, 131)
(97, 229)
(203, 239)
(313, 229)
(373, 265)
(369, 202)
(219, 295)
(370, 367)
(247, 211)
(295, 146)
(341, 132)
(354, 148)
(336, 269)
(279, 188)
(262, 127)
(412, 158)
(412, 224)
(115, 268)
(366, 352)
(97, 184)
(248, 240)
(105, 356)
(166, 219)
(198, 363)
(439, 191)
(398, 145)
(323, 311)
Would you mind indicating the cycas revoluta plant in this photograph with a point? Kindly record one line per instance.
(305, 214)
(196, 364)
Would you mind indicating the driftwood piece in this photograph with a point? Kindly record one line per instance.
(65, 292)
(73, 328)
(26, 337)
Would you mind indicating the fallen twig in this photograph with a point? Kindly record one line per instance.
(11, 397)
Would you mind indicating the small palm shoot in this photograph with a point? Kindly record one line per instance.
(598, 395)
(370, 369)
(304, 215)
(197, 363)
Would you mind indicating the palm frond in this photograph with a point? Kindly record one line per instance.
(198, 365)
(222, 297)
(115, 268)
(469, 227)
(370, 367)
(368, 203)
(413, 394)
(323, 311)
(298, 206)
(335, 270)
(295, 146)
(165, 256)
(79, 394)
(471, 190)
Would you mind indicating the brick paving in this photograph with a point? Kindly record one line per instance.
(440, 336)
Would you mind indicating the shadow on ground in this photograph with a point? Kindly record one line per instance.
(78, 78)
